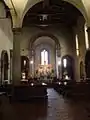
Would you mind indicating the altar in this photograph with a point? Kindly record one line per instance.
(45, 72)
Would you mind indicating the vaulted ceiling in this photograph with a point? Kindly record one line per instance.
(19, 8)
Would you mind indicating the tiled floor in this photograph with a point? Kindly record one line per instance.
(55, 108)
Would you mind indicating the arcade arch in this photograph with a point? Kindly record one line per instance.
(47, 42)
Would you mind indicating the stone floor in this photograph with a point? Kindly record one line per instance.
(55, 108)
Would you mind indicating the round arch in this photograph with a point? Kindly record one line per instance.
(8, 12)
(43, 34)
(34, 2)
(79, 5)
(34, 38)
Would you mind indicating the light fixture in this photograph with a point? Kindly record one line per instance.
(59, 62)
(44, 84)
(23, 76)
(66, 77)
(31, 62)
(65, 83)
(59, 83)
(43, 17)
(32, 84)
(24, 62)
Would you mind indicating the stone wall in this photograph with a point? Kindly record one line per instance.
(6, 35)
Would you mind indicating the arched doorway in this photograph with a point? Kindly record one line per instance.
(4, 66)
(24, 67)
(87, 64)
(67, 67)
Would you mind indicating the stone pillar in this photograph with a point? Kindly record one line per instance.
(16, 70)
(76, 58)
(87, 63)
(58, 62)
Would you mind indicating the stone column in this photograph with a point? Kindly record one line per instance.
(87, 64)
(16, 70)
(76, 58)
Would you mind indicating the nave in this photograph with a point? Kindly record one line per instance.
(54, 108)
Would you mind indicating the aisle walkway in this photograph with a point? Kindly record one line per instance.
(56, 108)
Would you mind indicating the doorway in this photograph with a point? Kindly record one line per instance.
(67, 67)
(24, 67)
(4, 66)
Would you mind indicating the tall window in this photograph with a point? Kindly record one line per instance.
(86, 37)
(65, 63)
(77, 45)
(44, 57)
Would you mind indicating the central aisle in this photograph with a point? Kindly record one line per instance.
(55, 108)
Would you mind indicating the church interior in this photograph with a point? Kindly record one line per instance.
(44, 44)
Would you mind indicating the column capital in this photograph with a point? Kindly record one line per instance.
(17, 30)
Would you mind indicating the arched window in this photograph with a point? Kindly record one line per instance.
(44, 57)
(77, 45)
(65, 63)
